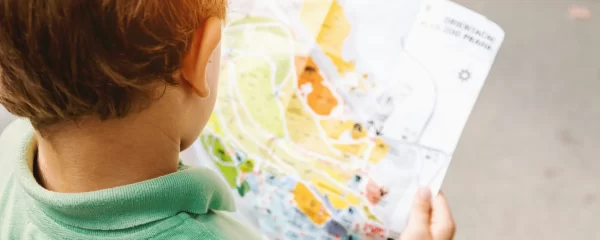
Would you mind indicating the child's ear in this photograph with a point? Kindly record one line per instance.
(204, 42)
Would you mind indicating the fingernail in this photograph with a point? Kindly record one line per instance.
(424, 193)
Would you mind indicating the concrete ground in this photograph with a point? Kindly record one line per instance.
(526, 167)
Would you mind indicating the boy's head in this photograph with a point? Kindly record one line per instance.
(64, 61)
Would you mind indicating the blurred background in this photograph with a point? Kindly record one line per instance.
(526, 167)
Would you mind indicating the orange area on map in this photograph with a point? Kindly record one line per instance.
(300, 63)
(308, 72)
(310, 205)
(321, 100)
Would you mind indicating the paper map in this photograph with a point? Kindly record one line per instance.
(331, 113)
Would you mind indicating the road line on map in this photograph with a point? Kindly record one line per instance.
(239, 95)
(321, 132)
(316, 121)
(223, 125)
(317, 117)
(288, 151)
(256, 25)
(353, 141)
(367, 154)
(283, 118)
(241, 128)
(283, 27)
(325, 174)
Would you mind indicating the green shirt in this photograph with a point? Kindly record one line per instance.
(188, 204)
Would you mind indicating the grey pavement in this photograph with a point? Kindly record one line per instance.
(526, 168)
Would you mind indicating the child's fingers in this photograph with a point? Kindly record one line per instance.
(420, 217)
(442, 223)
(421, 209)
(441, 208)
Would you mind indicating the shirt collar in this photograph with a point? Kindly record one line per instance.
(193, 190)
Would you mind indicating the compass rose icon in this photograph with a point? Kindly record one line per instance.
(464, 75)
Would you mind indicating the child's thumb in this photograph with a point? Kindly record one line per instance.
(421, 208)
(420, 217)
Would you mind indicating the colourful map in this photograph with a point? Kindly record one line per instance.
(317, 142)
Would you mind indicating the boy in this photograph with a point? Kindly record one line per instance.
(112, 91)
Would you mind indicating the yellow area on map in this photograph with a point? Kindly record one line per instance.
(268, 37)
(369, 214)
(313, 14)
(310, 205)
(338, 198)
(232, 120)
(228, 116)
(261, 114)
(303, 129)
(379, 151)
(214, 124)
(332, 170)
(255, 85)
(334, 128)
(331, 32)
(356, 149)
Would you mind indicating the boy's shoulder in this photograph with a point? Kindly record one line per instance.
(212, 225)
(16, 132)
(13, 141)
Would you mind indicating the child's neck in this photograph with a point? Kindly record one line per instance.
(94, 155)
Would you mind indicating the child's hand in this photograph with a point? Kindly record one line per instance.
(429, 219)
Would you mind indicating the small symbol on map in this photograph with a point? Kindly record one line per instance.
(464, 75)
(378, 128)
(310, 69)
